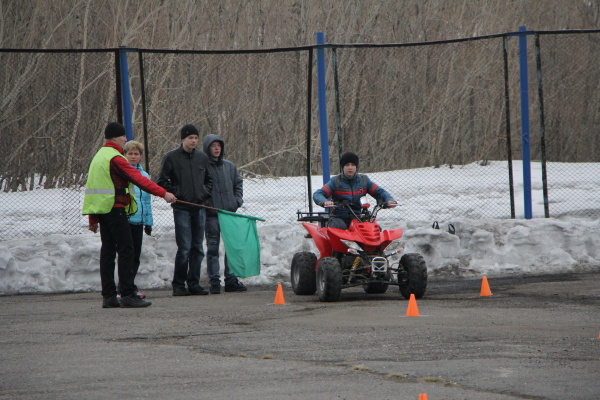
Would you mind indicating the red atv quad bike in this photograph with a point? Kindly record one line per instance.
(353, 257)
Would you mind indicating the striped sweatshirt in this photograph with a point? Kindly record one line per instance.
(341, 188)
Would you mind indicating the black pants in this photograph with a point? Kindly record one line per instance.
(137, 234)
(116, 240)
(339, 222)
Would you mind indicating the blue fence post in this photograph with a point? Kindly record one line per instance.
(524, 82)
(125, 93)
(322, 106)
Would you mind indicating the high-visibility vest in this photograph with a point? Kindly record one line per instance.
(99, 195)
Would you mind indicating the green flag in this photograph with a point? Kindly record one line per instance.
(242, 246)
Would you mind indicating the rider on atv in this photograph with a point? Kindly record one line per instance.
(353, 249)
(349, 186)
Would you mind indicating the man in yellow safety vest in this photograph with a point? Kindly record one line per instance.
(109, 199)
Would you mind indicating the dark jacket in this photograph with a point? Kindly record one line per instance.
(341, 188)
(186, 176)
(227, 184)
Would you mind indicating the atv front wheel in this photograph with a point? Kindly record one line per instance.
(303, 274)
(416, 271)
(329, 279)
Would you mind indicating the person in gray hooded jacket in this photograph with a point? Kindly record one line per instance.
(227, 194)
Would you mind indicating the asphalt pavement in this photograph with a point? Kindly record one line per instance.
(534, 338)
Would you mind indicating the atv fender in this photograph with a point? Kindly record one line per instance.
(319, 235)
(392, 234)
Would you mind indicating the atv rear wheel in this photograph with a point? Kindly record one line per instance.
(416, 270)
(303, 273)
(375, 287)
(329, 279)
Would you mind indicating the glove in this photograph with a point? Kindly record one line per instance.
(148, 230)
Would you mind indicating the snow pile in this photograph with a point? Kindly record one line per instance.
(62, 263)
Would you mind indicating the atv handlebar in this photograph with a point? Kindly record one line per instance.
(388, 205)
(346, 203)
(364, 214)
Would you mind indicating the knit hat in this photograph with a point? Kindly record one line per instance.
(188, 130)
(348, 158)
(113, 130)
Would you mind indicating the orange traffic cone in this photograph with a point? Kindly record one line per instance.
(412, 310)
(279, 296)
(598, 335)
(423, 396)
(485, 287)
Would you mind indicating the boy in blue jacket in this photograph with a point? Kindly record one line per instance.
(142, 220)
(351, 186)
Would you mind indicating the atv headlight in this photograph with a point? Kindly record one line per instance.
(351, 246)
(394, 244)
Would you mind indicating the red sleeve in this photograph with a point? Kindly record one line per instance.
(373, 189)
(135, 176)
(93, 219)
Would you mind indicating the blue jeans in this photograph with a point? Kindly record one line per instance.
(189, 234)
(213, 237)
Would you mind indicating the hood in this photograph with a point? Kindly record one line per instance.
(208, 140)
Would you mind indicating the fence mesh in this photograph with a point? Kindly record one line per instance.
(426, 110)
(256, 102)
(571, 103)
(52, 105)
(417, 114)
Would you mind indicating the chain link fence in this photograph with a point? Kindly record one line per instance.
(257, 102)
(426, 110)
(415, 113)
(569, 137)
(52, 104)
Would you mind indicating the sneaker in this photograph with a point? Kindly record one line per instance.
(133, 301)
(215, 288)
(235, 286)
(110, 302)
(198, 291)
(180, 291)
